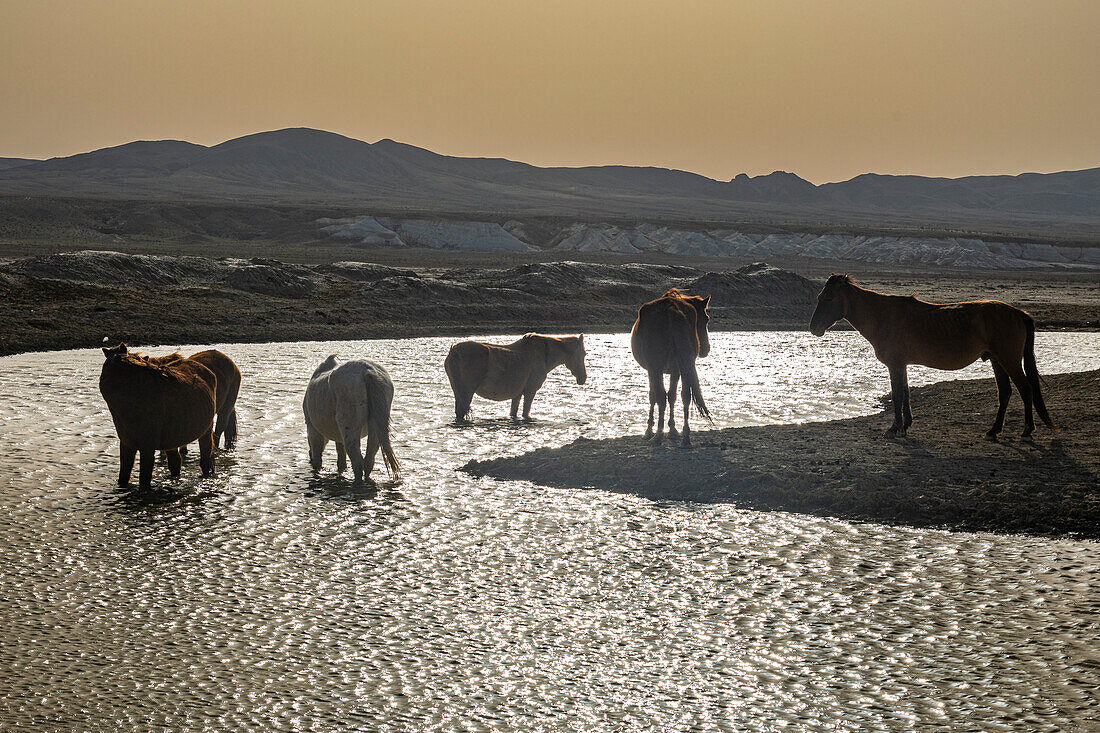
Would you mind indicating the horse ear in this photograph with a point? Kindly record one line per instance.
(706, 301)
(582, 339)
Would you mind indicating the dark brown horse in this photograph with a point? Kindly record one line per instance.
(510, 371)
(158, 407)
(668, 336)
(229, 386)
(905, 330)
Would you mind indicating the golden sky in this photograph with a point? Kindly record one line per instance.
(827, 89)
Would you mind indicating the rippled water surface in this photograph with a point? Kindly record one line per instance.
(270, 599)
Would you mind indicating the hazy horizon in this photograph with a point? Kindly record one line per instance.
(717, 88)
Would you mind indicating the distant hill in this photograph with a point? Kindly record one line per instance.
(6, 163)
(305, 166)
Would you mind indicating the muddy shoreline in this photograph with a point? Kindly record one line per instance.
(80, 299)
(945, 474)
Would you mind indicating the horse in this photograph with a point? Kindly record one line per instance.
(509, 371)
(158, 407)
(905, 330)
(344, 404)
(229, 385)
(669, 334)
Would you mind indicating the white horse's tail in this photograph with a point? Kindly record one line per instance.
(378, 421)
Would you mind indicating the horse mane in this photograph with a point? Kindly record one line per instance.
(682, 296)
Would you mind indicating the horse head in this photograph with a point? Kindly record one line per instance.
(575, 361)
(832, 304)
(119, 350)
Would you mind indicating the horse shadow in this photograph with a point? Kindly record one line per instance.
(337, 488)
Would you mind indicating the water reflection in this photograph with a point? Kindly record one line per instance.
(270, 598)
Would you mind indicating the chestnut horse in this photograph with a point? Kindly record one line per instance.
(158, 407)
(905, 330)
(668, 336)
(344, 404)
(229, 385)
(509, 372)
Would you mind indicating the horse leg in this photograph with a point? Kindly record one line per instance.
(657, 395)
(127, 453)
(462, 406)
(175, 462)
(351, 445)
(231, 430)
(206, 453)
(1004, 394)
(317, 443)
(528, 398)
(685, 397)
(672, 380)
(341, 458)
(1016, 372)
(368, 457)
(145, 468)
(906, 410)
(898, 387)
(219, 427)
(515, 407)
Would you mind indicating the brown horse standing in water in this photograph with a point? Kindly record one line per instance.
(229, 386)
(668, 336)
(904, 330)
(509, 372)
(158, 407)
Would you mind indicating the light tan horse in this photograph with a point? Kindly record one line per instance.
(158, 407)
(905, 330)
(669, 334)
(511, 371)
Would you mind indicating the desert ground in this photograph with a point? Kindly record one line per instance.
(78, 299)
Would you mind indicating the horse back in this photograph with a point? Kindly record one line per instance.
(490, 370)
(952, 335)
(226, 371)
(160, 407)
(660, 326)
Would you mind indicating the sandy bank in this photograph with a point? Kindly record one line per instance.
(945, 474)
(78, 299)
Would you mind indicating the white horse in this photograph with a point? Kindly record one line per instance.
(345, 404)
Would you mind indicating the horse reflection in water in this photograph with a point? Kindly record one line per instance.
(905, 330)
(668, 336)
(510, 371)
(344, 404)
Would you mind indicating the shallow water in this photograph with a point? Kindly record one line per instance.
(267, 598)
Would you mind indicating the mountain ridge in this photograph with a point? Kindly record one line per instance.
(303, 165)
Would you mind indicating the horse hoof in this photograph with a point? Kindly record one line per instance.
(992, 437)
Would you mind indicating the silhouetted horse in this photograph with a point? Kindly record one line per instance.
(508, 372)
(668, 336)
(229, 385)
(158, 407)
(904, 330)
(345, 404)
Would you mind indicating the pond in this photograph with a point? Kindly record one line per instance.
(268, 598)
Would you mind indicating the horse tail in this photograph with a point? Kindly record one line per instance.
(378, 421)
(1031, 369)
(686, 345)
